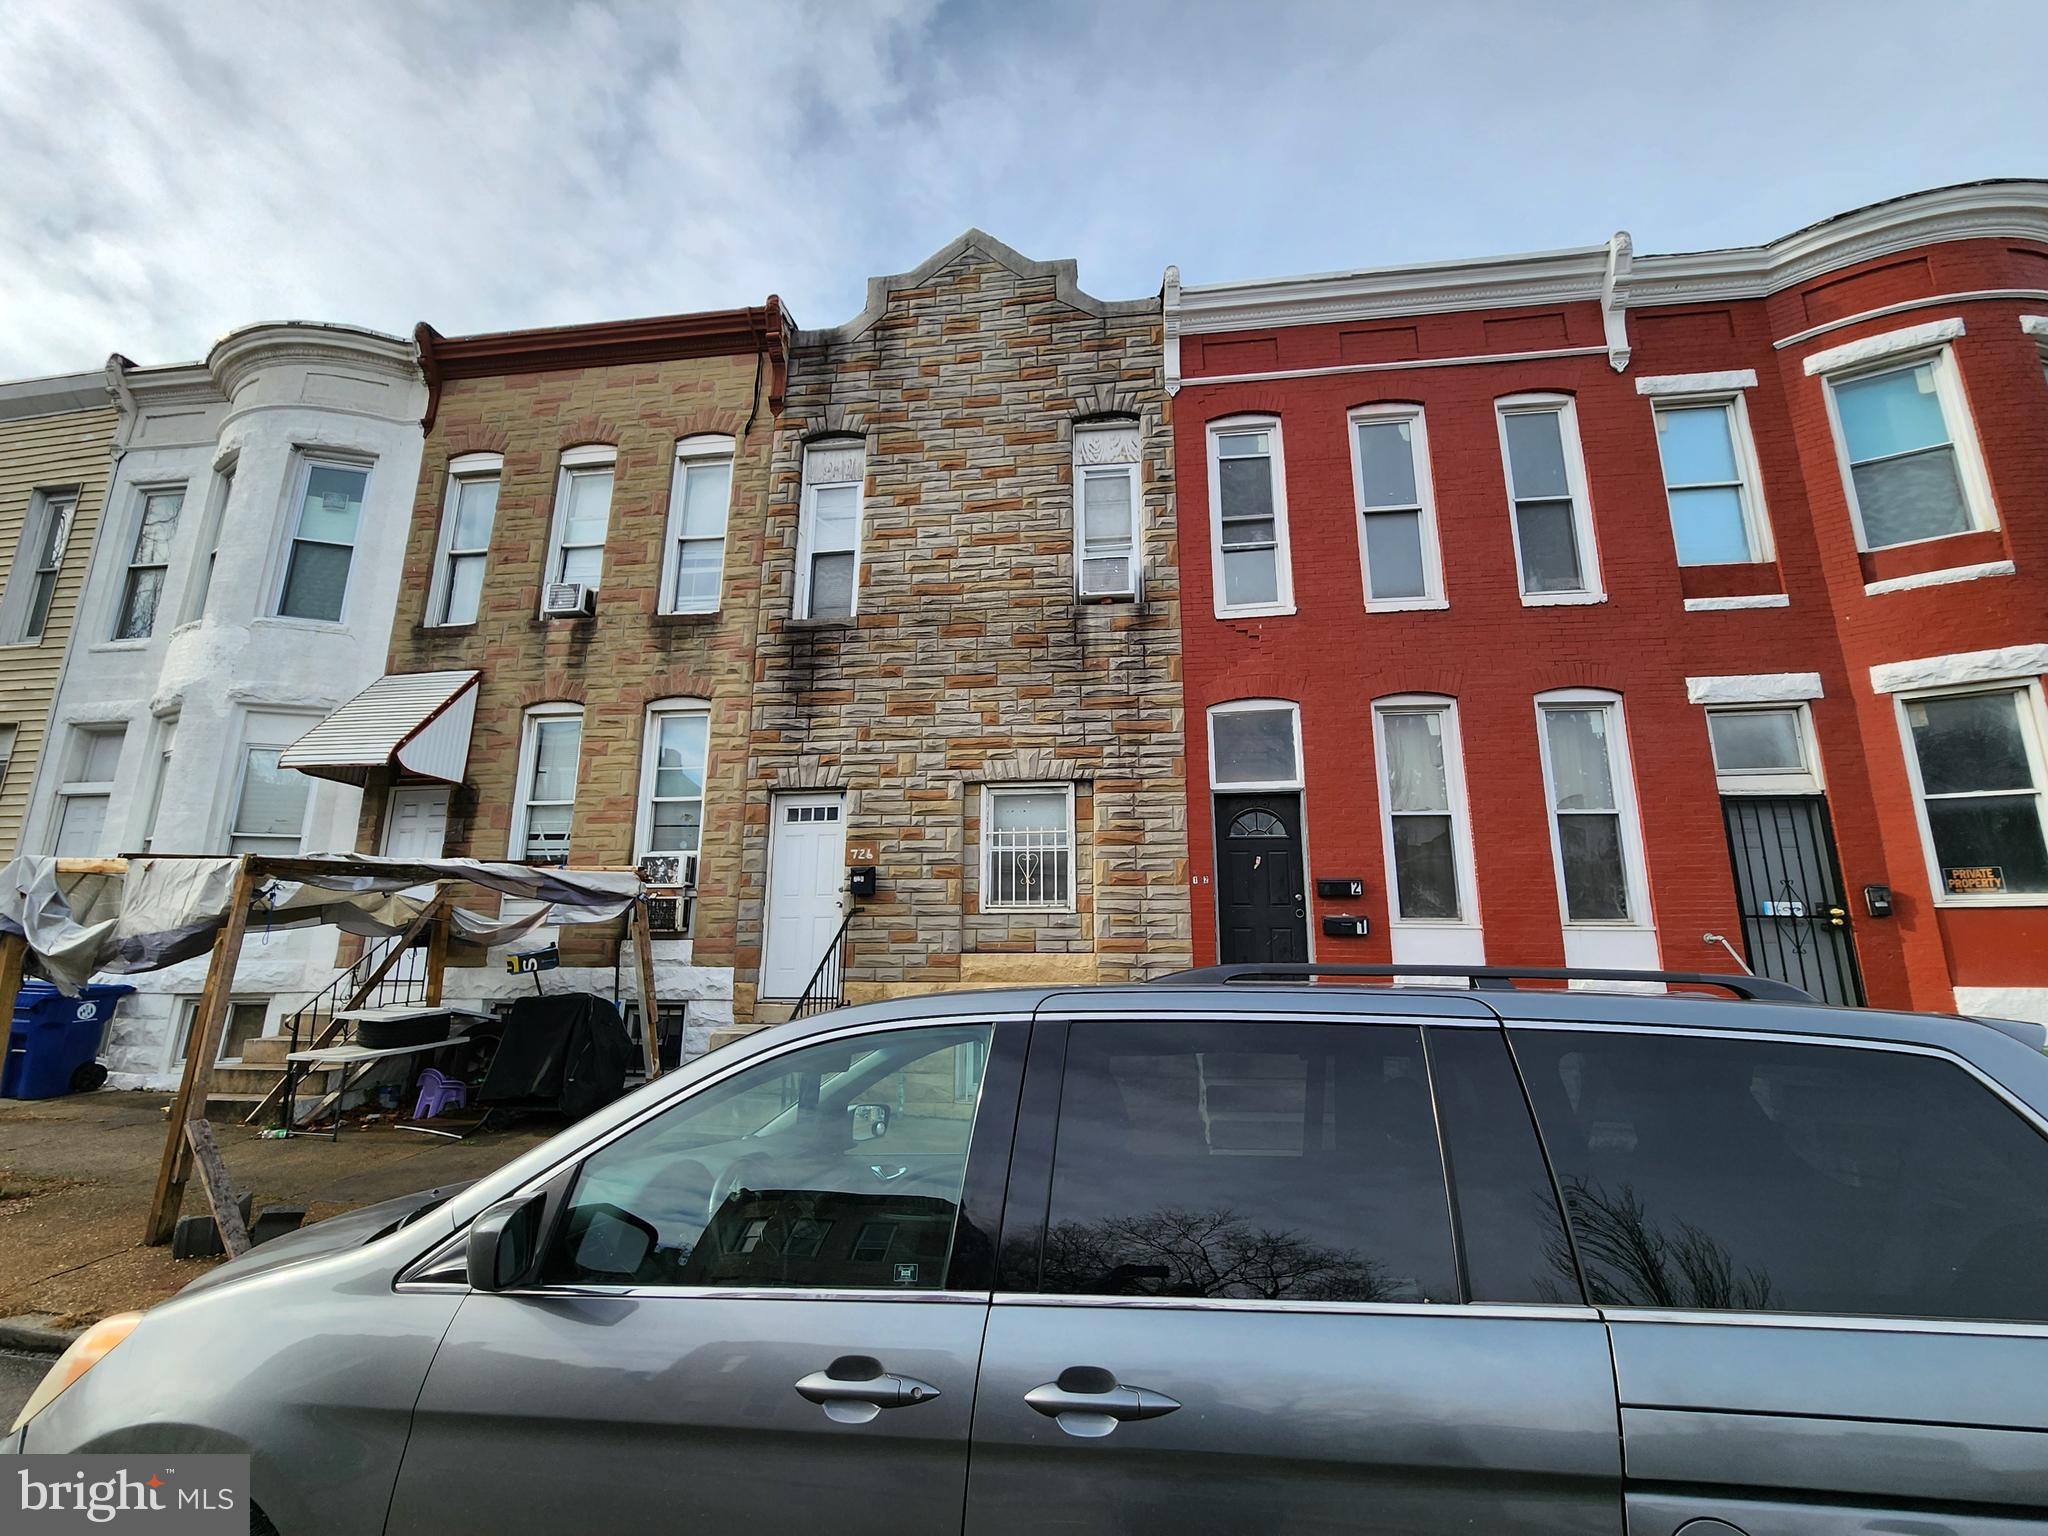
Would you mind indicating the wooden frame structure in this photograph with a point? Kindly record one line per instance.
(188, 1138)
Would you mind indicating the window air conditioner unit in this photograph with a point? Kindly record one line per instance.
(567, 600)
(671, 882)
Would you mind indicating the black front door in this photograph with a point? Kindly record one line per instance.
(1795, 925)
(1261, 890)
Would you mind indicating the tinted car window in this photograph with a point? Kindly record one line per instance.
(1256, 1161)
(1790, 1177)
(838, 1165)
(1511, 1237)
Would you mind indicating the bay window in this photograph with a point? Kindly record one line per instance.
(1910, 464)
(1979, 778)
(328, 514)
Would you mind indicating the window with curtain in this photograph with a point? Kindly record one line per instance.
(1707, 485)
(270, 808)
(471, 513)
(1106, 504)
(673, 781)
(1897, 435)
(828, 555)
(547, 805)
(323, 546)
(1979, 757)
(149, 559)
(1027, 838)
(1543, 490)
(1249, 518)
(699, 502)
(1579, 755)
(1422, 827)
(1393, 508)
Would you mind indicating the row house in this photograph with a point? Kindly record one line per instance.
(1615, 610)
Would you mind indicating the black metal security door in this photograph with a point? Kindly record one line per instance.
(1795, 924)
(1261, 894)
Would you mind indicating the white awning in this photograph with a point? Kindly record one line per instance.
(415, 722)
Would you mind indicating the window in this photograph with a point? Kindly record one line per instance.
(583, 512)
(1553, 526)
(330, 512)
(270, 805)
(1594, 838)
(1107, 505)
(1766, 751)
(148, 559)
(765, 1179)
(43, 537)
(1267, 1162)
(546, 808)
(1711, 483)
(9, 735)
(244, 1023)
(467, 516)
(1246, 487)
(1979, 775)
(1396, 508)
(672, 779)
(1255, 744)
(1027, 847)
(1909, 477)
(698, 504)
(166, 738)
(216, 513)
(828, 540)
(1898, 1184)
(1423, 801)
(92, 756)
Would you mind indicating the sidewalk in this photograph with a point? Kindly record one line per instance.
(76, 1175)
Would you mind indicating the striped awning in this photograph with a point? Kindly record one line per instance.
(415, 723)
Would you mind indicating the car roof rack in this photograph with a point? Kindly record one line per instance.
(1489, 978)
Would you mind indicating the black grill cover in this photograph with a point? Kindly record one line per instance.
(566, 1052)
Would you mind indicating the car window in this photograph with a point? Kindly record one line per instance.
(1511, 1236)
(838, 1165)
(1765, 1176)
(1276, 1162)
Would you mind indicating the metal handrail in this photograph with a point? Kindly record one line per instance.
(1485, 978)
(314, 1018)
(826, 989)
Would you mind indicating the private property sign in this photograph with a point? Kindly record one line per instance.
(1974, 880)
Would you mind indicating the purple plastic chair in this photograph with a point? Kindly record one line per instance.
(438, 1092)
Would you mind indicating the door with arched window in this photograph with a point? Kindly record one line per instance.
(1261, 890)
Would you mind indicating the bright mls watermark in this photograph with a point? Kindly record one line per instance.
(175, 1495)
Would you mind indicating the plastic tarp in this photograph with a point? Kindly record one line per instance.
(162, 911)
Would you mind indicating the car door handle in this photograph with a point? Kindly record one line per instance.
(1089, 1403)
(855, 1389)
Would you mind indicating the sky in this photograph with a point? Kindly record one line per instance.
(171, 171)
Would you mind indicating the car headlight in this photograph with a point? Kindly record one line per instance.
(86, 1351)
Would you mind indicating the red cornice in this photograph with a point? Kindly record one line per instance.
(662, 338)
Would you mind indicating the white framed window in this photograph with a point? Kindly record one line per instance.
(149, 558)
(699, 503)
(1596, 841)
(1909, 459)
(1248, 518)
(270, 805)
(1764, 749)
(244, 1022)
(1108, 508)
(1027, 847)
(327, 502)
(543, 815)
(92, 758)
(469, 511)
(1555, 558)
(200, 589)
(1979, 774)
(671, 818)
(1424, 820)
(828, 532)
(1398, 553)
(1712, 485)
(10, 734)
(1255, 744)
(583, 515)
(166, 740)
(39, 562)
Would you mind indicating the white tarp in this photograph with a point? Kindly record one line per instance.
(163, 911)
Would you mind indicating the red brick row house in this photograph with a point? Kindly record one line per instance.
(1603, 609)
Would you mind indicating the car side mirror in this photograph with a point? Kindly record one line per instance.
(504, 1243)
(870, 1121)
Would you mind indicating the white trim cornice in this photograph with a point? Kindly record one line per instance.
(241, 353)
(1696, 383)
(2012, 663)
(1755, 688)
(1912, 338)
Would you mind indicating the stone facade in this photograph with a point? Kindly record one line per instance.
(972, 661)
(560, 391)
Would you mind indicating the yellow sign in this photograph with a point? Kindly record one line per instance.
(1974, 880)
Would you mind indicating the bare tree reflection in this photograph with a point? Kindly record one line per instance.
(1174, 1252)
(1632, 1261)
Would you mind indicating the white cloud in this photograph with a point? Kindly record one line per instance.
(168, 172)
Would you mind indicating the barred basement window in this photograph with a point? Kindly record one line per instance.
(1027, 841)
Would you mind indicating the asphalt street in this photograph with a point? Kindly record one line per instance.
(18, 1377)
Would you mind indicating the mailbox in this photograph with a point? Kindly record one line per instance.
(1339, 890)
(860, 880)
(1877, 900)
(1346, 927)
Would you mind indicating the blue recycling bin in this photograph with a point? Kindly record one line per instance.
(53, 1036)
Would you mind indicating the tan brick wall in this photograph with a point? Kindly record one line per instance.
(971, 659)
(628, 655)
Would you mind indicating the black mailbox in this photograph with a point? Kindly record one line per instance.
(1877, 900)
(860, 880)
(1340, 890)
(1346, 927)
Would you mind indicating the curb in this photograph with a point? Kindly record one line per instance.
(30, 1333)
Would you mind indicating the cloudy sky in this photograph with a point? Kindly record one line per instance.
(170, 171)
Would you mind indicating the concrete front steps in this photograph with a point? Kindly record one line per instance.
(238, 1087)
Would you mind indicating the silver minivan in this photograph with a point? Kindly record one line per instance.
(1236, 1251)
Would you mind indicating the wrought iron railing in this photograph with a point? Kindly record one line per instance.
(827, 987)
(313, 1024)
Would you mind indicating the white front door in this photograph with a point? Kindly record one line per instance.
(415, 827)
(806, 874)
